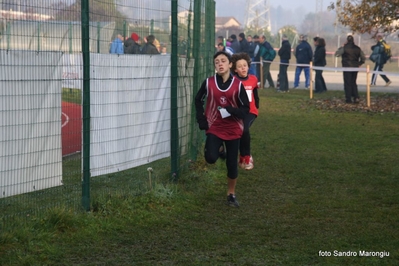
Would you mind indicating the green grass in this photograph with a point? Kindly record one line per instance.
(323, 180)
(72, 95)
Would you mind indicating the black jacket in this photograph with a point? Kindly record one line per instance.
(285, 51)
(235, 45)
(244, 46)
(149, 48)
(352, 55)
(132, 47)
(319, 56)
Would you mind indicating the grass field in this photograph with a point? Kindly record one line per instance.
(324, 189)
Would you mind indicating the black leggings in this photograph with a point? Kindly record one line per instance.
(245, 141)
(212, 146)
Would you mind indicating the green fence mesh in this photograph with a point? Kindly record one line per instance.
(97, 99)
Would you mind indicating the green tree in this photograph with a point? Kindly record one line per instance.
(369, 16)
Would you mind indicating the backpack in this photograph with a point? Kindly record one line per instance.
(375, 54)
(387, 50)
(270, 53)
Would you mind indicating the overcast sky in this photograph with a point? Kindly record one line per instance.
(237, 8)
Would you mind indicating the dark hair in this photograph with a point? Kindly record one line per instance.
(316, 39)
(321, 42)
(150, 38)
(233, 36)
(240, 56)
(224, 53)
(242, 35)
(349, 38)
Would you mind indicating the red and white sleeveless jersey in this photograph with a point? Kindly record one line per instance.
(250, 84)
(228, 128)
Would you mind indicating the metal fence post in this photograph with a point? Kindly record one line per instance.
(86, 105)
(8, 32)
(98, 37)
(70, 37)
(174, 128)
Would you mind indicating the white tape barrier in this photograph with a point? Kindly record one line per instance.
(343, 69)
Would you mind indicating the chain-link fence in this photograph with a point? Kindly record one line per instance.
(97, 99)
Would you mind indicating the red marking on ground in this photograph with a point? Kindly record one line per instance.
(71, 131)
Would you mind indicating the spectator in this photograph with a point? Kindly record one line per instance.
(149, 47)
(117, 45)
(163, 50)
(244, 47)
(219, 39)
(132, 45)
(267, 56)
(257, 57)
(227, 105)
(241, 62)
(253, 49)
(352, 56)
(235, 45)
(303, 54)
(319, 59)
(285, 56)
(157, 44)
(379, 58)
(182, 46)
(221, 47)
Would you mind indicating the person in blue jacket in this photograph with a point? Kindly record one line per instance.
(117, 45)
(304, 55)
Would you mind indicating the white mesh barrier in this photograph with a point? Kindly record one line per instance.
(30, 121)
(130, 111)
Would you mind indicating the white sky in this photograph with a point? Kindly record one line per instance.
(237, 8)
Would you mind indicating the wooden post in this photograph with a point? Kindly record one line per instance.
(368, 85)
(311, 80)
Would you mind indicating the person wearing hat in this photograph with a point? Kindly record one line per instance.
(132, 45)
(352, 57)
(235, 45)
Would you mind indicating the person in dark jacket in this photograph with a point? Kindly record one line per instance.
(244, 46)
(149, 47)
(253, 50)
(266, 59)
(352, 57)
(303, 54)
(379, 59)
(131, 45)
(285, 56)
(257, 57)
(235, 45)
(319, 60)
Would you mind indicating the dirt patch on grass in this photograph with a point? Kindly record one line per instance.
(380, 104)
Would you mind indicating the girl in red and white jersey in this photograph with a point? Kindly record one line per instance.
(226, 105)
(241, 63)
